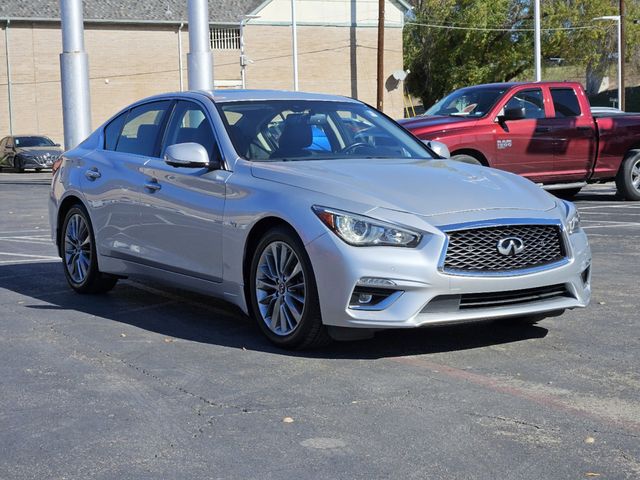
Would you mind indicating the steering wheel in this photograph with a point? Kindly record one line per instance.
(352, 147)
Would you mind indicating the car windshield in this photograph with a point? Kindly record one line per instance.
(278, 130)
(33, 142)
(467, 102)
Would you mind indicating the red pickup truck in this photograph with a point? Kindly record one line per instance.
(544, 131)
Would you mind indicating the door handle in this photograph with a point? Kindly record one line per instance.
(152, 186)
(584, 129)
(542, 129)
(92, 174)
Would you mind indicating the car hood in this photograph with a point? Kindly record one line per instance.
(435, 121)
(39, 150)
(421, 187)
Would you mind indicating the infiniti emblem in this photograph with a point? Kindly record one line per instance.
(510, 246)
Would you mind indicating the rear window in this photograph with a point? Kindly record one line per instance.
(112, 132)
(140, 132)
(565, 102)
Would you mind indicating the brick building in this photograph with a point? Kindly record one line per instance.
(139, 48)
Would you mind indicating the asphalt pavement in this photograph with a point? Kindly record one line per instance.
(150, 382)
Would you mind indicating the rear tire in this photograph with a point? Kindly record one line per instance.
(628, 178)
(283, 292)
(79, 257)
(567, 193)
(464, 158)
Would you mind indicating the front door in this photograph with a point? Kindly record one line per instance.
(525, 146)
(182, 208)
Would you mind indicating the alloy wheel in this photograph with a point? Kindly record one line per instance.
(77, 248)
(280, 288)
(635, 175)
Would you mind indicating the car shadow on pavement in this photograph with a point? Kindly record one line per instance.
(198, 318)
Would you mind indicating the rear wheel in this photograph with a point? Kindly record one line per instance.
(628, 178)
(79, 254)
(284, 296)
(464, 158)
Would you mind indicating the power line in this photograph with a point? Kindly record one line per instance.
(491, 29)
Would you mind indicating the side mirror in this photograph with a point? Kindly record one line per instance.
(513, 114)
(438, 148)
(190, 155)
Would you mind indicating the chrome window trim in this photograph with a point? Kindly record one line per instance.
(503, 222)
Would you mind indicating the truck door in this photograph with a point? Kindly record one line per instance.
(575, 135)
(525, 144)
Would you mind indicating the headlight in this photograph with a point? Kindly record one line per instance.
(363, 231)
(572, 217)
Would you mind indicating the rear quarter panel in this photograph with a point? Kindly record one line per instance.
(617, 134)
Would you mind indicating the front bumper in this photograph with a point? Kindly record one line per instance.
(415, 272)
(37, 162)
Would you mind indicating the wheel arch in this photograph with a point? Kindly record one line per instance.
(478, 155)
(258, 230)
(64, 207)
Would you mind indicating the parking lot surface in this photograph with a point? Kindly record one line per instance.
(151, 382)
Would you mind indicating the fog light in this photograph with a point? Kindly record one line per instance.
(370, 298)
(376, 282)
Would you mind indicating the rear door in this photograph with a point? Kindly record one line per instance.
(182, 208)
(525, 146)
(112, 179)
(575, 133)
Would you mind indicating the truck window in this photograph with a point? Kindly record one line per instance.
(565, 102)
(531, 100)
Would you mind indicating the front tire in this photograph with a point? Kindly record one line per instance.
(567, 193)
(628, 178)
(283, 292)
(79, 256)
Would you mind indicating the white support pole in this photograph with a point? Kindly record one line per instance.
(536, 40)
(9, 86)
(243, 59)
(74, 73)
(294, 42)
(180, 66)
(199, 58)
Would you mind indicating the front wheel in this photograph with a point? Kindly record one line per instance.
(628, 178)
(79, 254)
(567, 193)
(284, 296)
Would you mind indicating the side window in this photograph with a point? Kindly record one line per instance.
(189, 124)
(531, 100)
(565, 102)
(112, 132)
(142, 129)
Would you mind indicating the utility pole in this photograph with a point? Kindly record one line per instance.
(74, 74)
(380, 89)
(536, 40)
(621, 50)
(199, 59)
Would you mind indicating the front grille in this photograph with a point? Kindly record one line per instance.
(476, 249)
(468, 301)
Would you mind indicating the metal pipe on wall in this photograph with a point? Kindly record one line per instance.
(9, 86)
(199, 58)
(74, 73)
(536, 41)
(294, 44)
(180, 66)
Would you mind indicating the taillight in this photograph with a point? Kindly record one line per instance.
(56, 166)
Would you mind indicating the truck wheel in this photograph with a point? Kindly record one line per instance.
(466, 159)
(628, 178)
(567, 193)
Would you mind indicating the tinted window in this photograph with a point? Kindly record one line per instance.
(565, 102)
(33, 142)
(140, 133)
(273, 130)
(531, 100)
(112, 132)
(189, 124)
(467, 102)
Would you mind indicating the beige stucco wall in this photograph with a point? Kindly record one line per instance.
(336, 60)
(130, 62)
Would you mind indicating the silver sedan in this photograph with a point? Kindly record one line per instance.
(317, 215)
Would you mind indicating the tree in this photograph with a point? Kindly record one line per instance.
(455, 43)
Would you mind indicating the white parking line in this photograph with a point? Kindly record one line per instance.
(616, 225)
(41, 257)
(33, 260)
(616, 205)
